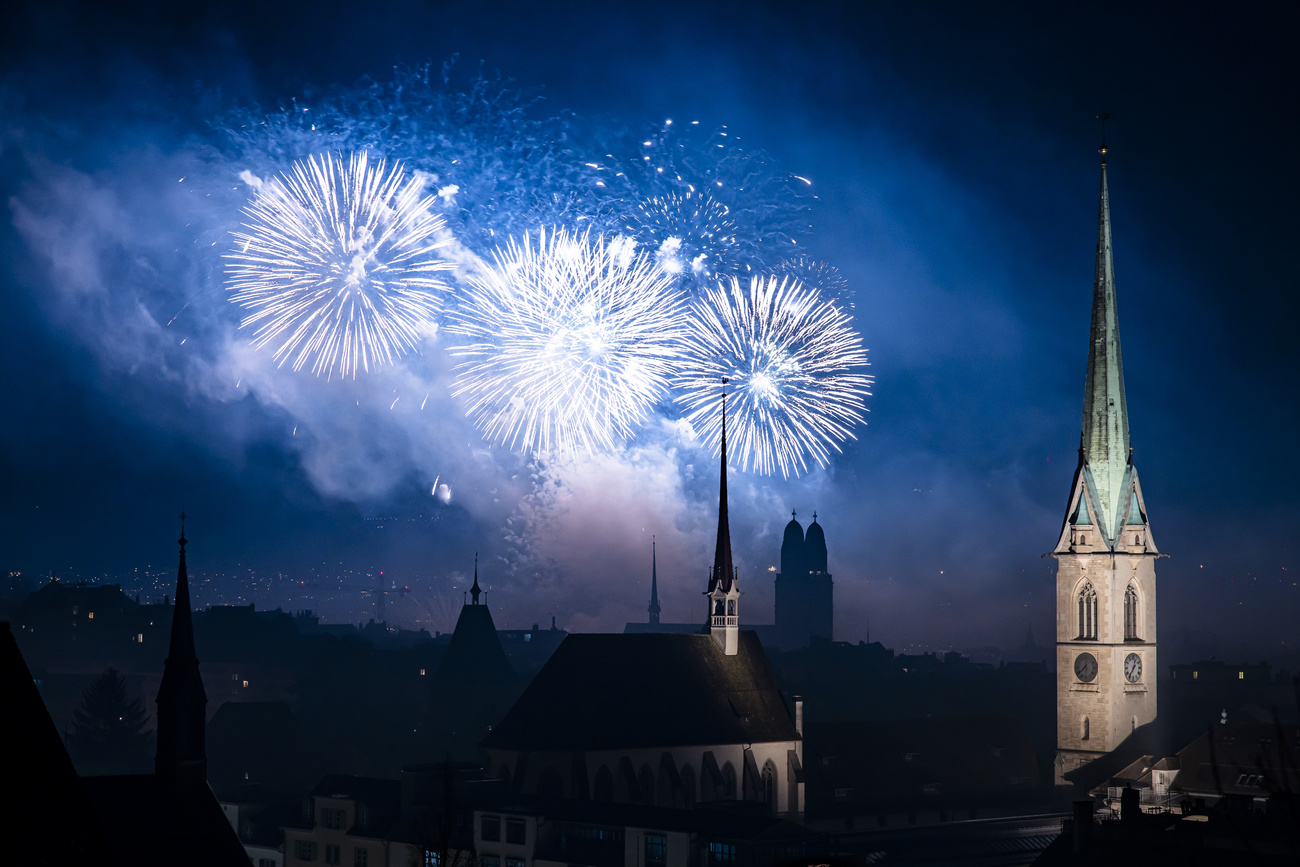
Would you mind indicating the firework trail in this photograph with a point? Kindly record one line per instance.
(339, 265)
(792, 359)
(569, 341)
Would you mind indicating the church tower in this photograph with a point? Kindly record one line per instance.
(181, 760)
(724, 587)
(805, 606)
(1105, 574)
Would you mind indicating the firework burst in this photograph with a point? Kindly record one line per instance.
(570, 340)
(339, 265)
(692, 233)
(793, 360)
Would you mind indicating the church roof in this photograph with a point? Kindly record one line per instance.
(43, 796)
(636, 691)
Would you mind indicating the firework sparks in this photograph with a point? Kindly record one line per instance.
(692, 233)
(339, 265)
(570, 341)
(793, 360)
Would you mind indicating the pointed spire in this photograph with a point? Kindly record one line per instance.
(1105, 435)
(475, 591)
(654, 583)
(182, 638)
(723, 571)
(181, 758)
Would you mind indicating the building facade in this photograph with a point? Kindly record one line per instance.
(1105, 576)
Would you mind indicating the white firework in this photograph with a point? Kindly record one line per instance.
(339, 265)
(794, 364)
(570, 341)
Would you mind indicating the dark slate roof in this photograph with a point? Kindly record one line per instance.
(149, 821)
(43, 803)
(633, 691)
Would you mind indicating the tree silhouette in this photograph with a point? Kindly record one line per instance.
(108, 735)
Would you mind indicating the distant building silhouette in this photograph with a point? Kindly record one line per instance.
(805, 607)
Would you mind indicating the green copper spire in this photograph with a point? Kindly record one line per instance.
(1105, 411)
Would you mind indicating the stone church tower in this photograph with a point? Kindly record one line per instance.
(1105, 575)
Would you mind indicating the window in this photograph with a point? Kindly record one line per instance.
(360, 857)
(333, 819)
(728, 782)
(769, 785)
(432, 858)
(1084, 730)
(1087, 612)
(656, 850)
(304, 850)
(1241, 675)
(1130, 613)
(722, 853)
(514, 862)
(490, 829)
(265, 862)
(516, 832)
(332, 854)
(489, 861)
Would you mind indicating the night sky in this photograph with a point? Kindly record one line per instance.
(952, 148)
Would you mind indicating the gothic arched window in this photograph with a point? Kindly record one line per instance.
(1130, 613)
(769, 786)
(728, 782)
(1083, 730)
(1087, 612)
(604, 788)
(688, 787)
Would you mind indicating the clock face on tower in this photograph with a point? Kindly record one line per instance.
(1133, 668)
(1085, 667)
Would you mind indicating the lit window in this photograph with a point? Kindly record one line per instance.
(91, 615)
(722, 853)
(432, 859)
(422, 672)
(245, 684)
(1195, 674)
(1241, 675)
(656, 850)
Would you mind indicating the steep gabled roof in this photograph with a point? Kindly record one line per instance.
(635, 691)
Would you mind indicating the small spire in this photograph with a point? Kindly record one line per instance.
(1103, 117)
(723, 570)
(654, 583)
(475, 591)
